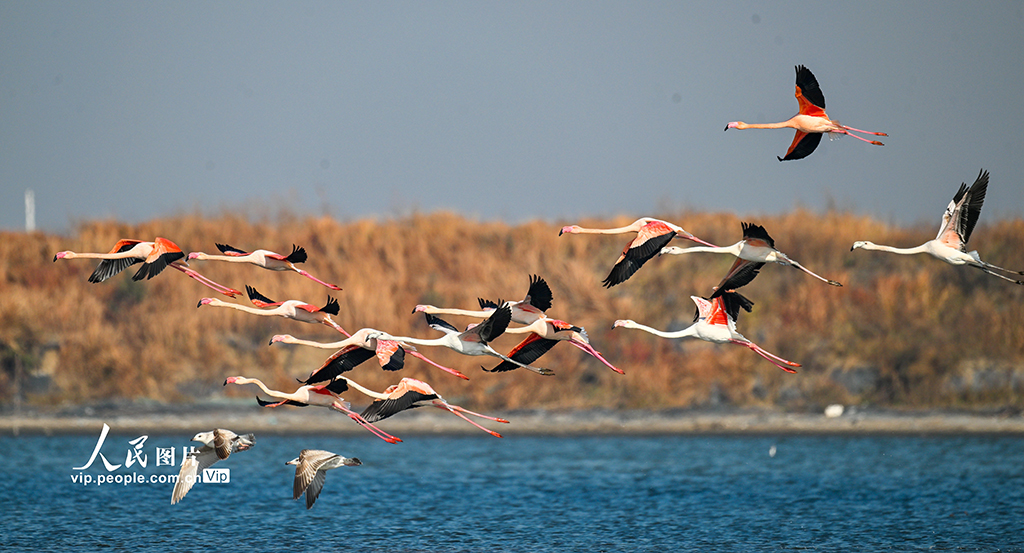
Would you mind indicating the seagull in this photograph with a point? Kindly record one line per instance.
(217, 445)
(311, 468)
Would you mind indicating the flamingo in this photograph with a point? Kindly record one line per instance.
(756, 247)
(322, 395)
(218, 444)
(263, 258)
(358, 348)
(155, 257)
(311, 468)
(410, 393)
(652, 235)
(531, 308)
(811, 122)
(543, 335)
(474, 341)
(291, 309)
(716, 322)
(950, 245)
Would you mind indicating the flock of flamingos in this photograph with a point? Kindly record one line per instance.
(715, 320)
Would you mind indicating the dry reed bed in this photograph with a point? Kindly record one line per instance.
(925, 334)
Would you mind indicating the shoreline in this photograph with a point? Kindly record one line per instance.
(191, 419)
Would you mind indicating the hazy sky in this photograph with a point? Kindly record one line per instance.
(501, 110)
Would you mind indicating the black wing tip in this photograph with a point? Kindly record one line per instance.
(485, 304)
(298, 255)
(332, 307)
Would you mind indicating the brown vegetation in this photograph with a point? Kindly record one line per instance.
(903, 331)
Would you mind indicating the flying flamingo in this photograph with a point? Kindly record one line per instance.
(322, 395)
(756, 247)
(543, 335)
(410, 393)
(950, 245)
(811, 122)
(474, 341)
(358, 348)
(263, 258)
(217, 445)
(652, 235)
(155, 257)
(531, 308)
(311, 468)
(291, 309)
(716, 322)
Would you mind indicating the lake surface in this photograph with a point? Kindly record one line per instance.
(536, 494)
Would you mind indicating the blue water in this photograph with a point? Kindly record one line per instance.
(535, 494)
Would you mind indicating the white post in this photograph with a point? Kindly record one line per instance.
(30, 210)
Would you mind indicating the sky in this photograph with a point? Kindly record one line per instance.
(510, 111)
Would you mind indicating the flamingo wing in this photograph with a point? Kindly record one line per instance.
(732, 302)
(963, 213)
(802, 146)
(383, 408)
(491, 328)
(332, 307)
(539, 294)
(528, 351)
(231, 250)
(650, 239)
(110, 267)
(488, 304)
(808, 93)
(440, 325)
(258, 299)
(164, 253)
(265, 403)
(741, 273)
(342, 361)
(752, 232)
(390, 354)
(298, 255)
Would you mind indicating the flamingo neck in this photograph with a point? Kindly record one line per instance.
(923, 248)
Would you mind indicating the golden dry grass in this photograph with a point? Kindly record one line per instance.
(926, 334)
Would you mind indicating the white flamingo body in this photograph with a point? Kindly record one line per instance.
(322, 395)
(410, 393)
(757, 247)
(716, 322)
(543, 334)
(291, 309)
(263, 258)
(958, 221)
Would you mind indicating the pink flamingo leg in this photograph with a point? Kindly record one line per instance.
(768, 356)
(337, 327)
(442, 367)
(850, 134)
(230, 292)
(587, 348)
(366, 424)
(468, 412)
(465, 418)
(865, 132)
(314, 279)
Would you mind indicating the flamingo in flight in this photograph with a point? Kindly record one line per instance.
(529, 309)
(950, 245)
(473, 341)
(358, 348)
(543, 335)
(263, 258)
(756, 247)
(811, 122)
(715, 322)
(410, 393)
(291, 309)
(218, 444)
(652, 235)
(322, 395)
(311, 468)
(155, 257)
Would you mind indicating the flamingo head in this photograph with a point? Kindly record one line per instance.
(62, 255)
(671, 250)
(859, 244)
(421, 308)
(569, 229)
(233, 380)
(623, 322)
(736, 125)
(204, 301)
(195, 255)
(280, 338)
